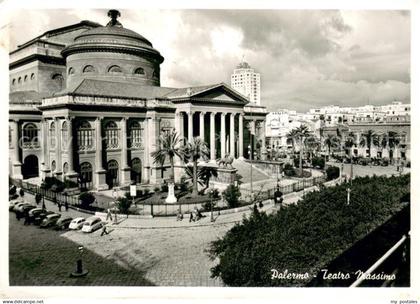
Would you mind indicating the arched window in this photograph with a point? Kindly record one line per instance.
(85, 136)
(32, 76)
(114, 69)
(13, 81)
(88, 69)
(112, 173)
(86, 175)
(65, 168)
(136, 135)
(111, 135)
(64, 135)
(25, 78)
(19, 80)
(53, 166)
(58, 80)
(52, 135)
(139, 71)
(136, 170)
(30, 136)
(71, 71)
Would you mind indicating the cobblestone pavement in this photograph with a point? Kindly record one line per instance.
(43, 257)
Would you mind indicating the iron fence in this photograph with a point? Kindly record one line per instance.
(47, 193)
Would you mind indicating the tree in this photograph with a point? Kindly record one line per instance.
(124, 204)
(86, 199)
(299, 134)
(194, 151)
(367, 140)
(329, 142)
(169, 146)
(231, 195)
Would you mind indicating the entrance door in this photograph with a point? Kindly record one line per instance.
(112, 174)
(85, 175)
(30, 167)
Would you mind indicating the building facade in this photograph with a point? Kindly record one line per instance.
(86, 105)
(246, 81)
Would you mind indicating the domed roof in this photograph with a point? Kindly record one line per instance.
(112, 37)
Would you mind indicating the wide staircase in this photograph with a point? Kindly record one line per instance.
(244, 169)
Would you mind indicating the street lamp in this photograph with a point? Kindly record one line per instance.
(211, 203)
(79, 265)
(348, 196)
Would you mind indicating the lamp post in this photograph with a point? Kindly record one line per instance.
(114, 196)
(79, 265)
(348, 196)
(211, 203)
(250, 158)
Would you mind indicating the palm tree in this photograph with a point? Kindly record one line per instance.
(349, 144)
(329, 142)
(393, 140)
(300, 133)
(367, 140)
(169, 146)
(195, 150)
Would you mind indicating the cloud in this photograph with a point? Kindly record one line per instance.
(307, 58)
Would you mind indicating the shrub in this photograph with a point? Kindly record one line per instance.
(307, 236)
(318, 162)
(70, 184)
(164, 188)
(86, 199)
(156, 189)
(146, 191)
(332, 173)
(231, 195)
(289, 170)
(124, 204)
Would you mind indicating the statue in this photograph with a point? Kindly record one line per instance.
(226, 161)
(114, 14)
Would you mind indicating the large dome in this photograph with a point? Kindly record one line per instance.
(112, 52)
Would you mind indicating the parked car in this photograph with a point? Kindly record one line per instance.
(91, 224)
(27, 208)
(19, 207)
(63, 223)
(13, 203)
(50, 220)
(77, 223)
(37, 220)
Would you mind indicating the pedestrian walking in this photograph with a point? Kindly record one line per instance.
(109, 215)
(104, 231)
(27, 219)
(59, 206)
(191, 217)
(66, 206)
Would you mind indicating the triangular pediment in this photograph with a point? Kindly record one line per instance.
(222, 92)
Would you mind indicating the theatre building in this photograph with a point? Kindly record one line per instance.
(86, 105)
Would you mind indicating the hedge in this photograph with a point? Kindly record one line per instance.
(302, 238)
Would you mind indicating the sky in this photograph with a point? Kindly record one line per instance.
(306, 58)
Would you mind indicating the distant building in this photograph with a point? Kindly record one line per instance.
(247, 82)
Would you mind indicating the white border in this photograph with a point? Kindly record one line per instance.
(279, 295)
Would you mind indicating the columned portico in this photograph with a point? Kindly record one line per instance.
(100, 172)
(202, 125)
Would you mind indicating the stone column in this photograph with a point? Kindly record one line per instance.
(202, 125)
(241, 136)
(179, 128)
(190, 126)
(44, 148)
(59, 165)
(125, 169)
(71, 174)
(17, 165)
(146, 166)
(262, 136)
(212, 137)
(232, 135)
(100, 172)
(222, 134)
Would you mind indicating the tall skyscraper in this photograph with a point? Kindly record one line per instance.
(247, 82)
